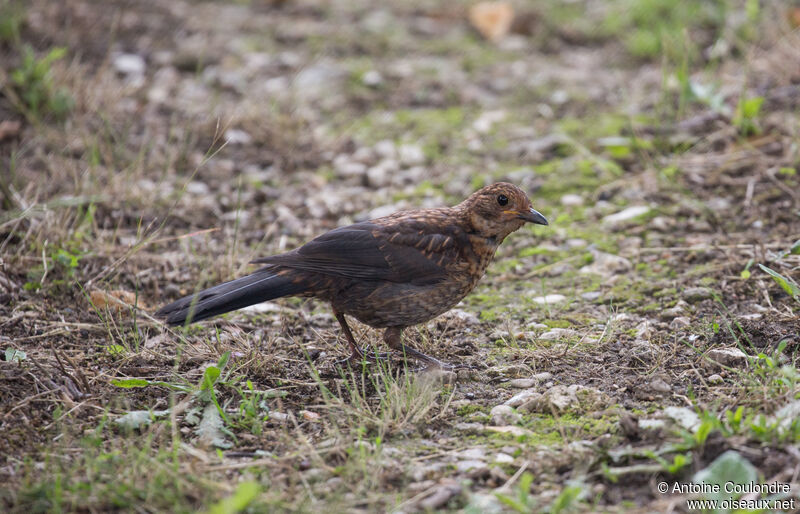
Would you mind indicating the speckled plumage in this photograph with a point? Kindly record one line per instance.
(391, 272)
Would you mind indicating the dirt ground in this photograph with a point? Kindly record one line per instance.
(633, 341)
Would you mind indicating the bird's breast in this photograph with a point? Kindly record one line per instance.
(479, 253)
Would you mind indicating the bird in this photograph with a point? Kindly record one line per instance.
(391, 272)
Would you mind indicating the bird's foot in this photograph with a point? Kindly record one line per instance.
(374, 356)
(363, 356)
(435, 364)
(354, 359)
(430, 362)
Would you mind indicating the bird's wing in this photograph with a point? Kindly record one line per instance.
(417, 253)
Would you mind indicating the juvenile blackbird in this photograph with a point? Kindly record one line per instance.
(390, 272)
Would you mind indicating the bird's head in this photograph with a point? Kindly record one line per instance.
(499, 209)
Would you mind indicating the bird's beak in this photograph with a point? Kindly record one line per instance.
(533, 216)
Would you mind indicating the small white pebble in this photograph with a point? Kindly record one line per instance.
(503, 458)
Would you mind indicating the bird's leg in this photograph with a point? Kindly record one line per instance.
(393, 337)
(357, 354)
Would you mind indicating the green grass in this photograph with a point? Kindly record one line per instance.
(91, 473)
(33, 91)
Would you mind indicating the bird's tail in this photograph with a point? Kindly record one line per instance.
(261, 286)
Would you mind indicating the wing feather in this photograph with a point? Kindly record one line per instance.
(370, 251)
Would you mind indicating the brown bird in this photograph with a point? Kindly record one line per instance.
(391, 272)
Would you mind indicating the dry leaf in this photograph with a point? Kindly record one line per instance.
(114, 300)
(9, 129)
(794, 17)
(211, 430)
(310, 416)
(492, 19)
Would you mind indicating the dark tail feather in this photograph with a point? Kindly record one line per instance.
(259, 287)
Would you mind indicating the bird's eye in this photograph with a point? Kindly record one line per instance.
(502, 199)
